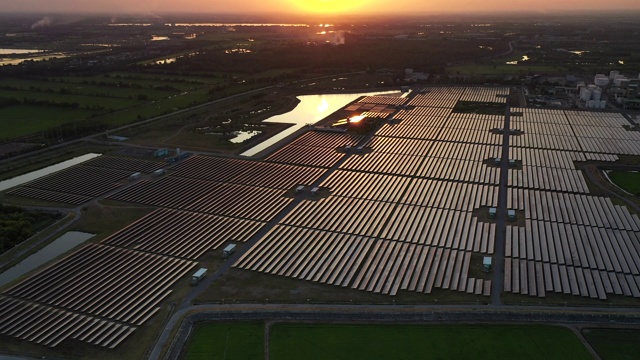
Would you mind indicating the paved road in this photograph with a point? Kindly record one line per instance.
(511, 48)
(497, 283)
(511, 44)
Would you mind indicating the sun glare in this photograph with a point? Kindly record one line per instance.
(323, 106)
(329, 6)
(356, 119)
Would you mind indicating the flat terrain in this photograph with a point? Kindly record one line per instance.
(410, 246)
(235, 340)
(629, 181)
(614, 344)
(40, 103)
(323, 341)
(424, 342)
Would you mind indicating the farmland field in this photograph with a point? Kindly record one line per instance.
(32, 105)
(296, 341)
(629, 181)
(20, 120)
(614, 344)
(227, 341)
(340, 341)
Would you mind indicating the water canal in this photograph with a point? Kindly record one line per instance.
(58, 247)
(21, 179)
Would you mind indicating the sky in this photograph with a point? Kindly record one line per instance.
(313, 6)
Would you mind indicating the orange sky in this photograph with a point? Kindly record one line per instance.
(313, 6)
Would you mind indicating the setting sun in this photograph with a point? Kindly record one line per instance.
(328, 6)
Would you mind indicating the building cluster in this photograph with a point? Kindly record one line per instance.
(592, 96)
(414, 76)
(617, 87)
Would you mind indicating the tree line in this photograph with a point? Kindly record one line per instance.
(17, 225)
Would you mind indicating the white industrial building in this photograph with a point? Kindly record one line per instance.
(601, 80)
(613, 74)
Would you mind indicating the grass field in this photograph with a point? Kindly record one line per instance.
(614, 344)
(630, 181)
(301, 341)
(240, 340)
(20, 120)
(236, 340)
(105, 220)
(115, 99)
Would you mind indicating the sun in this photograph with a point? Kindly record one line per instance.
(329, 6)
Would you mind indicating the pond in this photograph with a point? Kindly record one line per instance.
(19, 180)
(242, 136)
(58, 247)
(310, 110)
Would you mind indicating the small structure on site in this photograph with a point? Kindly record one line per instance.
(198, 276)
(228, 250)
(487, 263)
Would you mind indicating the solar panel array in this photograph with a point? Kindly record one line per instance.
(314, 149)
(103, 292)
(571, 242)
(182, 234)
(76, 298)
(400, 217)
(383, 100)
(447, 97)
(81, 183)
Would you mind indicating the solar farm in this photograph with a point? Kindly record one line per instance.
(399, 217)
(403, 209)
(80, 184)
(572, 242)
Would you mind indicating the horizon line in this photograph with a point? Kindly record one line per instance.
(524, 13)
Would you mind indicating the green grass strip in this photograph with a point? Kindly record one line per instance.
(227, 340)
(478, 342)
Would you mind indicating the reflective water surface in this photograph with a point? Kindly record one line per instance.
(19, 180)
(58, 247)
(242, 136)
(310, 110)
